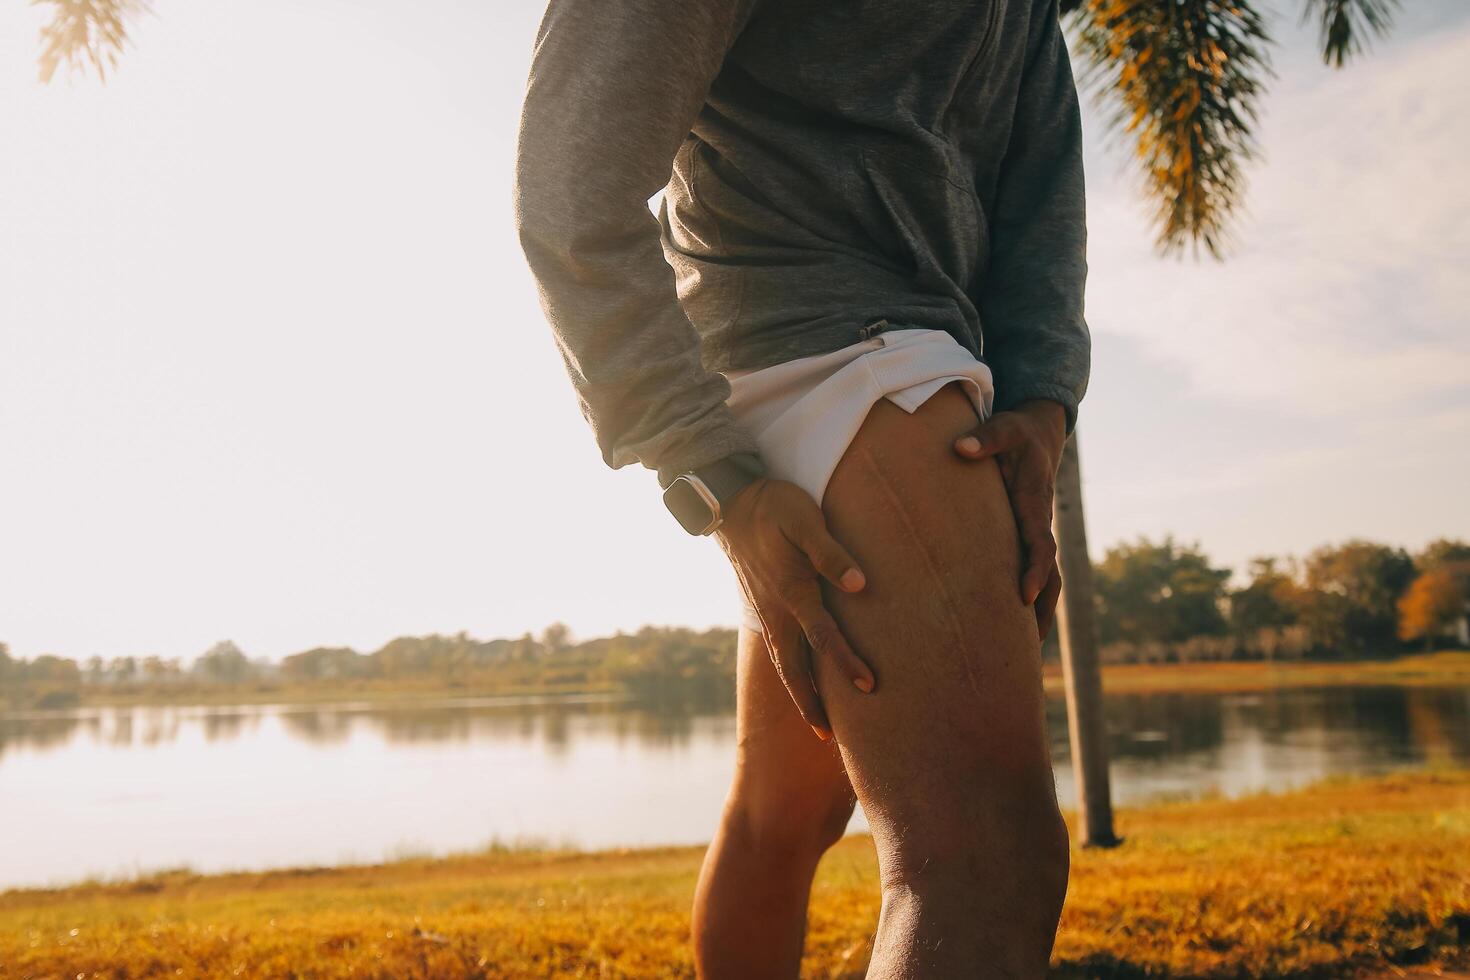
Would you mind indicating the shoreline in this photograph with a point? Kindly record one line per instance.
(1445, 668)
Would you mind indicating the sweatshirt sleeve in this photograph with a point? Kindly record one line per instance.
(1037, 342)
(614, 88)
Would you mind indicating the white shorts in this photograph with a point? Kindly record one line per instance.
(803, 413)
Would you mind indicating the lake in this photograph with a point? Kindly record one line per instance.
(115, 792)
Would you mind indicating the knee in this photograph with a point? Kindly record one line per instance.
(1020, 847)
(799, 823)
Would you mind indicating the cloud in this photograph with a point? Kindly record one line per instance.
(1347, 291)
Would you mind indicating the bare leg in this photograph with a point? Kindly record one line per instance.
(949, 755)
(790, 801)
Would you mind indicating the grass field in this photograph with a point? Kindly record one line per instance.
(1451, 667)
(1343, 876)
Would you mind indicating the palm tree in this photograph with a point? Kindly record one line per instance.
(86, 32)
(1184, 78)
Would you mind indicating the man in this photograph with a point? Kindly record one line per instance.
(831, 167)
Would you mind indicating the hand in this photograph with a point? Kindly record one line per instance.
(1027, 442)
(776, 537)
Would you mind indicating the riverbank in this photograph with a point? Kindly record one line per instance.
(1337, 878)
(1445, 669)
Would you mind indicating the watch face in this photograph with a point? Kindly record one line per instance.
(688, 507)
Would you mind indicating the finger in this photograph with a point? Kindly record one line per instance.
(826, 639)
(1046, 603)
(792, 659)
(830, 559)
(995, 435)
(1033, 518)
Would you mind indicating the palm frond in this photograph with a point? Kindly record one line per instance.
(1183, 78)
(1343, 25)
(86, 30)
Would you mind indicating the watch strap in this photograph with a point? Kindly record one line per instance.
(728, 476)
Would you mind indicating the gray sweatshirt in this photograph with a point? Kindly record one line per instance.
(825, 163)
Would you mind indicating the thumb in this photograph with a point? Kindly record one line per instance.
(995, 435)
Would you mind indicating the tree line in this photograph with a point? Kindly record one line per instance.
(1165, 602)
(1156, 601)
(652, 665)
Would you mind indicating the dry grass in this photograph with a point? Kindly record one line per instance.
(1448, 668)
(1345, 875)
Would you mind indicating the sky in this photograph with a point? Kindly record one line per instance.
(272, 367)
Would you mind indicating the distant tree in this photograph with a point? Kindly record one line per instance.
(49, 667)
(410, 655)
(526, 648)
(1351, 604)
(10, 677)
(661, 664)
(50, 672)
(1271, 600)
(95, 671)
(1435, 602)
(1162, 592)
(324, 663)
(1440, 552)
(223, 662)
(47, 681)
(556, 637)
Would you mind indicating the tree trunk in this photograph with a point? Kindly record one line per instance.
(1077, 631)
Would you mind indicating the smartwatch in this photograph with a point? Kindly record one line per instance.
(696, 497)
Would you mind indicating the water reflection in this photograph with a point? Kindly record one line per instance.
(1185, 744)
(121, 790)
(1354, 724)
(543, 721)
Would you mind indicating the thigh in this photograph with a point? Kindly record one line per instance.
(955, 730)
(781, 767)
